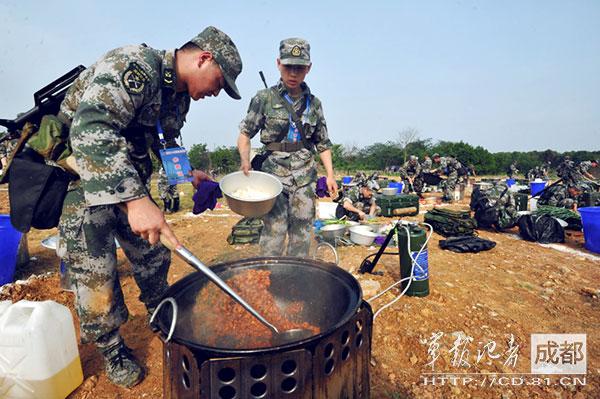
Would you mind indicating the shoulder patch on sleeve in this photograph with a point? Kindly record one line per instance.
(135, 78)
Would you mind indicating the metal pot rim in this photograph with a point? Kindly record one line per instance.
(179, 286)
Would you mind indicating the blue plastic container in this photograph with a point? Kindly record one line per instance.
(536, 187)
(9, 247)
(346, 179)
(400, 188)
(590, 218)
(510, 182)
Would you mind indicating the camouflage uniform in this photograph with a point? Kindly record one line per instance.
(112, 106)
(294, 209)
(412, 168)
(512, 170)
(6, 148)
(426, 165)
(450, 167)
(565, 171)
(557, 195)
(360, 202)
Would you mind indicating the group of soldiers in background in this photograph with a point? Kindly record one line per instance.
(575, 179)
(449, 169)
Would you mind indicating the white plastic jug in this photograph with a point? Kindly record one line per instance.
(38, 351)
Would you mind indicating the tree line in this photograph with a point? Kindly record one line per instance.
(378, 156)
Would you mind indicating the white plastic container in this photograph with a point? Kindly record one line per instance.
(38, 351)
(533, 204)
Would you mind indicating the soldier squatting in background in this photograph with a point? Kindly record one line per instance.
(358, 202)
(289, 156)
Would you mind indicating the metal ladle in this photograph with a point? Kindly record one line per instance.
(281, 337)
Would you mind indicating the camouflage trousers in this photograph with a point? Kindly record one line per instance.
(450, 185)
(293, 215)
(417, 186)
(87, 246)
(166, 190)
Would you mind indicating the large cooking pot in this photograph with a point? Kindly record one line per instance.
(330, 297)
(331, 364)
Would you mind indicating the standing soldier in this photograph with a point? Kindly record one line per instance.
(512, 170)
(6, 148)
(167, 192)
(289, 149)
(110, 109)
(426, 165)
(449, 167)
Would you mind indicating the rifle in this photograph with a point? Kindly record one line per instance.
(47, 101)
(262, 76)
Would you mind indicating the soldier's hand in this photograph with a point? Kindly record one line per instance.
(332, 186)
(198, 177)
(245, 167)
(148, 221)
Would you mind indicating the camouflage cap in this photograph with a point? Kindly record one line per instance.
(294, 51)
(225, 54)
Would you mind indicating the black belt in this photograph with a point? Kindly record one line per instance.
(285, 146)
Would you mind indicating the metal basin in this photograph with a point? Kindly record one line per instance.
(333, 231)
(259, 181)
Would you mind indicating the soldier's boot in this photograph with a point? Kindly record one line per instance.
(167, 203)
(175, 204)
(122, 368)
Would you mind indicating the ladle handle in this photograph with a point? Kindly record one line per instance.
(186, 255)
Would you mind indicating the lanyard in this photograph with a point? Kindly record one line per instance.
(161, 132)
(304, 114)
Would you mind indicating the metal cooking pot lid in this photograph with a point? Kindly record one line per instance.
(306, 292)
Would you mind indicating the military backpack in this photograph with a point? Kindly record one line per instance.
(246, 231)
(450, 222)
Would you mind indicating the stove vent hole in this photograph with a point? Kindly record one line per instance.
(185, 363)
(226, 375)
(289, 385)
(185, 380)
(328, 350)
(288, 367)
(345, 337)
(227, 392)
(345, 352)
(258, 390)
(258, 371)
(359, 340)
(358, 326)
(329, 366)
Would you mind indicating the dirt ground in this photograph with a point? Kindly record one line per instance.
(516, 289)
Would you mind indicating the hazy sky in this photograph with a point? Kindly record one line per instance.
(506, 75)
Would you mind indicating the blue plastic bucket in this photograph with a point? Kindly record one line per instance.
(400, 188)
(536, 187)
(346, 179)
(9, 247)
(510, 182)
(590, 218)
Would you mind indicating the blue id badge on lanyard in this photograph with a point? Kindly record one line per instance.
(176, 164)
(175, 161)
